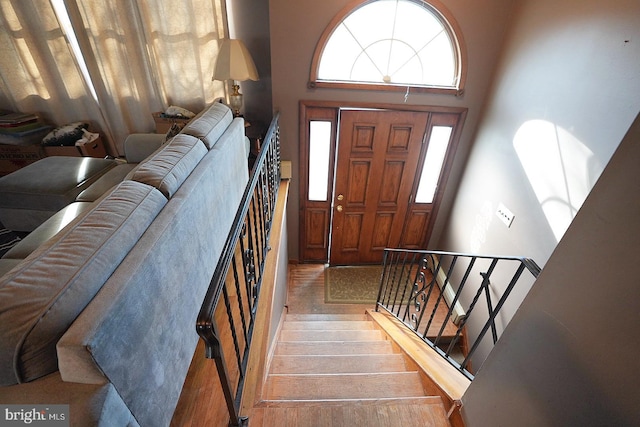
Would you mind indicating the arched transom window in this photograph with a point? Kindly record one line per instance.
(390, 44)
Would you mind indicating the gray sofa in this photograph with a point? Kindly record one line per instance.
(101, 316)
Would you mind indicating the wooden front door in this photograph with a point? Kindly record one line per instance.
(372, 178)
(379, 153)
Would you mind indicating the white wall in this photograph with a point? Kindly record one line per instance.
(570, 355)
(564, 95)
(296, 27)
(249, 22)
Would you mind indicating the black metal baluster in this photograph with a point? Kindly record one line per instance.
(453, 304)
(493, 315)
(398, 269)
(232, 329)
(487, 285)
(485, 276)
(383, 278)
(417, 320)
(440, 297)
(404, 281)
(236, 281)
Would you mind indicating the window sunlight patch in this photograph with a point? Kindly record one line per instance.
(65, 24)
(560, 168)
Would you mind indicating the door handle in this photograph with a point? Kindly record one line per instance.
(340, 196)
(339, 208)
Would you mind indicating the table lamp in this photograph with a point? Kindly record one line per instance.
(234, 63)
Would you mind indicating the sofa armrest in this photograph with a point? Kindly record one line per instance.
(138, 146)
(97, 405)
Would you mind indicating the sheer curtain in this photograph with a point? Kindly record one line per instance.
(141, 57)
(38, 73)
(183, 38)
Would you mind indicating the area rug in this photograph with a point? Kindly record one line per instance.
(352, 284)
(8, 239)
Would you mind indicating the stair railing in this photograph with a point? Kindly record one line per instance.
(416, 285)
(227, 331)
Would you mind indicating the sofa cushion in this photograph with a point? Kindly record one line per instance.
(105, 183)
(167, 169)
(47, 230)
(139, 146)
(32, 194)
(209, 124)
(43, 295)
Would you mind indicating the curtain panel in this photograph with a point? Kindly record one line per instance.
(37, 71)
(140, 56)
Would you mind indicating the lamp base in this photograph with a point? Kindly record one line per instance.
(235, 100)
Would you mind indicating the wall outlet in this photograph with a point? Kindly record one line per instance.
(505, 215)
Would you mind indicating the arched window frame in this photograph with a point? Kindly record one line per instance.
(438, 10)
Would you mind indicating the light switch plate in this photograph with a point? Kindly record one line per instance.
(505, 215)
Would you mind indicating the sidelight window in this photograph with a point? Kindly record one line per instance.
(319, 156)
(433, 163)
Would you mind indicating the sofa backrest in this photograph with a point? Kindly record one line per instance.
(168, 167)
(139, 331)
(44, 294)
(209, 125)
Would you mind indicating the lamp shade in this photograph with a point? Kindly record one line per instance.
(234, 62)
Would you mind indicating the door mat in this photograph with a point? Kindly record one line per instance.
(352, 284)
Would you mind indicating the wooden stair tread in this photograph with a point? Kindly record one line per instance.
(327, 364)
(341, 369)
(420, 400)
(343, 386)
(426, 412)
(331, 335)
(326, 317)
(326, 325)
(333, 347)
(451, 382)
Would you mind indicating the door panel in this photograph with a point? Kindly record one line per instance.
(378, 153)
(317, 221)
(359, 174)
(392, 178)
(382, 230)
(416, 228)
(362, 141)
(399, 139)
(352, 231)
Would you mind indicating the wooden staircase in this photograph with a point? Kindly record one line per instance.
(341, 369)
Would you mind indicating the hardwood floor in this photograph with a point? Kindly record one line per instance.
(306, 293)
(332, 368)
